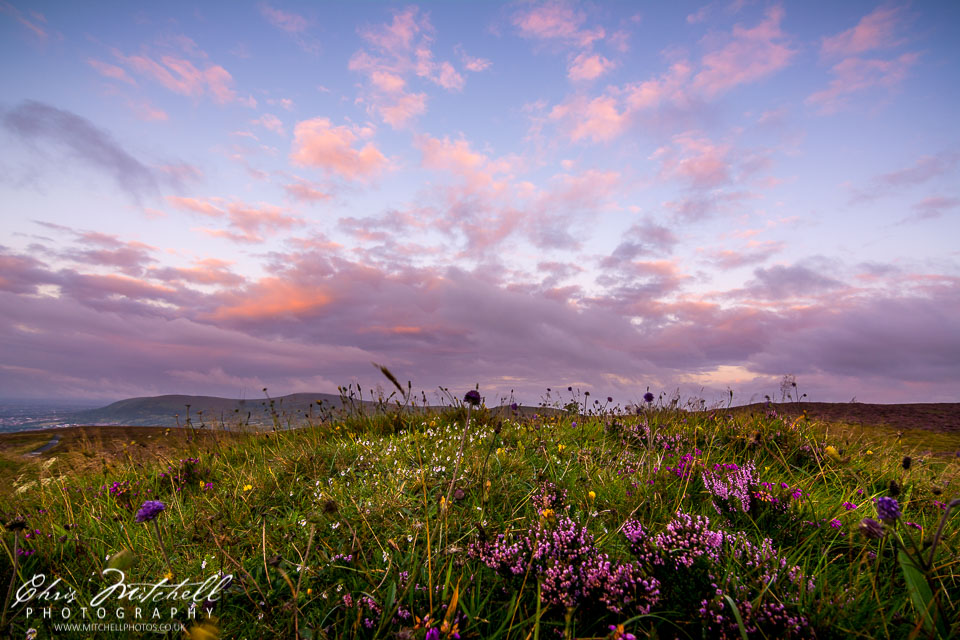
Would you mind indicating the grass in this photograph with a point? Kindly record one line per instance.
(557, 526)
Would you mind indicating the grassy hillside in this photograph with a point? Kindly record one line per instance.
(665, 524)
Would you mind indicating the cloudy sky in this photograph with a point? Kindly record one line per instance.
(214, 198)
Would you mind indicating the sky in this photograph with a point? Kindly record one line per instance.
(685, 197)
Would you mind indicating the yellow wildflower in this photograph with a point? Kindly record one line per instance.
(548, 514)
(869, 453)
(592, 495)
(832, 452)
(561, 447)
(499, 451)
(309, 591)
(168, 575)
(247, 487)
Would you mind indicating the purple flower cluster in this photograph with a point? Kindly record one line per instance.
(150, 510)
(571, 570)
(689, 540)
(731, 491)
(888, 509)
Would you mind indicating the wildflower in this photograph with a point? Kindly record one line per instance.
(514, 406)
(871, 528)
(617, 633)
(561, 447)
(849, 506)
(309, 591)
(648, 397)
(150, 510)
(499, 451)
(831, 451)
(592, 495)
(247, 487)
(888, 509)
(548, 514)
(869, 453)
(472, 397)
(31, 633)
(168, 575)
(906, 463)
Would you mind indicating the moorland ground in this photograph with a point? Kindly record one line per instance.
(764, 521)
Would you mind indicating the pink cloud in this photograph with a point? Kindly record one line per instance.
(31, 25)
(609, 115)
(317, 143)
(146, 111)
(207, 271)
(697, 160)
(387, 82)
(285, 20)
(306, 191)
(271, 297)
(853, 75)
(453, 156)
(599, 119)
(756, 252)
(935, 207)
(588, 67)
(556, 21)
(183, 77)
(398, 36)
(129, 257)
(271, 122)
(700, 15)
(111, 71)
(247, 223)
(401, 110)
(471, 63)
(924, 169)
(751, 54)
(874, 31)
(401, 50)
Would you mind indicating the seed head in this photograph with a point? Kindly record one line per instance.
(871, 528)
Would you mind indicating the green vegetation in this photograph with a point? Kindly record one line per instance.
(664, 524)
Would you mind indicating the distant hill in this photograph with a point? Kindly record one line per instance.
(169, 410)
(943, 417)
